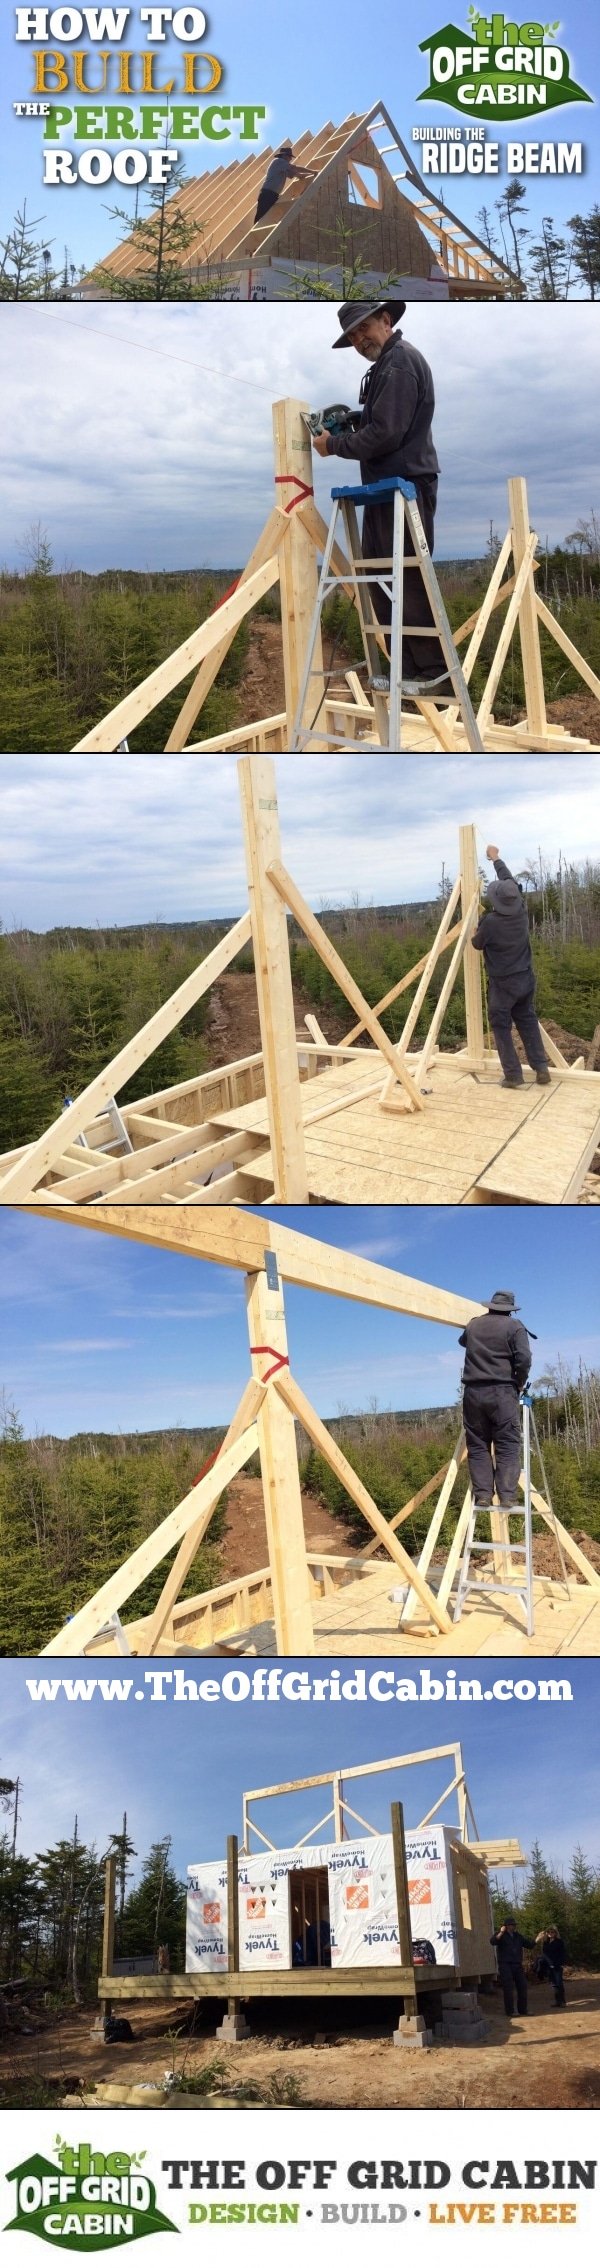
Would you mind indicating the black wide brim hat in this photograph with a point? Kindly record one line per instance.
(503, 1303)
(354, 312)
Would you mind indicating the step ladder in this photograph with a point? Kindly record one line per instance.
(481, 1584)
(118, 1140)
(382, 644)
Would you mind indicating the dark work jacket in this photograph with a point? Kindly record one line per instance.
(497, 1351)
(394, 439)
(510, 1948)
(554, 1952)
(503, 938)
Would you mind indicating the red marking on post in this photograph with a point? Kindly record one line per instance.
(281, 481)
(280, 1363)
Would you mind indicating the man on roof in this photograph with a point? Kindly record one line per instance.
(393, 439)
(503, 938)
(282, 168)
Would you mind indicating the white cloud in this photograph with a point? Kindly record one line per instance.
(162, 836)
(135, 460)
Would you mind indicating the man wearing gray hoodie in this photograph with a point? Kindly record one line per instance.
(503, 938)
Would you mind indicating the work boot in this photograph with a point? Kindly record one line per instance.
(436, 684)
(543, 1077)
(515, 1082)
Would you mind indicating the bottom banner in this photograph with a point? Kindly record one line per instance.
(194, 2184)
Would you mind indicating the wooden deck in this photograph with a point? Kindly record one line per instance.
(474, 1143)
(353, 1613)
(279, 1984)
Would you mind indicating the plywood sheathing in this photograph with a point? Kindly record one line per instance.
(532, 1145)
(386, 238)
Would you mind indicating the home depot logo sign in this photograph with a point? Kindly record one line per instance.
(499, 66)
(86, 2201)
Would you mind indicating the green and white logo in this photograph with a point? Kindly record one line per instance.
(86, 2200)
(499, 67)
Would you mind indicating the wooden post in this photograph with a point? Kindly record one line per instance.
(469, 871)
(528, 614)
(108, 1926)
(402, 1900)
(298, 569)
(258, 794)
(233, 1918)
(338, 1808)
(280, 1476)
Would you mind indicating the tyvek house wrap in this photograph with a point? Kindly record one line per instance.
(362, 1903)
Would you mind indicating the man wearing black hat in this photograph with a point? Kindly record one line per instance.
(282, 168)
(393, 440)
(509, 1944)
(496, 1368)
(503, 938)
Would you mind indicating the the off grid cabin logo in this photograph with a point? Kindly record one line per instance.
(86, 2200)
(498, 68)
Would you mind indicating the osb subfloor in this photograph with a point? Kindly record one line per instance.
(531, 1145)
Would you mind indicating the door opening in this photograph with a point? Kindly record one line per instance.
(309, 1916)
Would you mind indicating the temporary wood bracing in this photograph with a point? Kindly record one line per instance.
(320, 227)
(274, 1610)
(389, 1122)
(287, 553)
(493, 1852)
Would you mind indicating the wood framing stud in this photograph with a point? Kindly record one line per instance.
(298, 563)
(292, 1609)
(528, 618)
(469, 877)
(258, 793)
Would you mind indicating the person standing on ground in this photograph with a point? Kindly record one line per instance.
(509, 1945)
(496, 1368)
(503, 938)
(393, 439)
(551, 1962)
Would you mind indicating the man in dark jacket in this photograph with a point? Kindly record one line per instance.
(503, 938)
(509, 1948)
(496, 1367)
(393, 439)
(551, 1962)
(282, 168)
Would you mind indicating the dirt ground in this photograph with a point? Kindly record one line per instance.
(232, 1023)
(244, 1544)
(579, 713)
(547, 2060)
(262, 688)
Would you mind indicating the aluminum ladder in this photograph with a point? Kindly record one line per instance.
(388, 574)
(480, 1584)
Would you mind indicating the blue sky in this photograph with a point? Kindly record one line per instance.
(185, 1776)
(161, 837)
(316, 72)
(141, 436)
(99, 1332)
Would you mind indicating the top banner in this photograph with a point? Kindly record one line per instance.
(154, 153)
